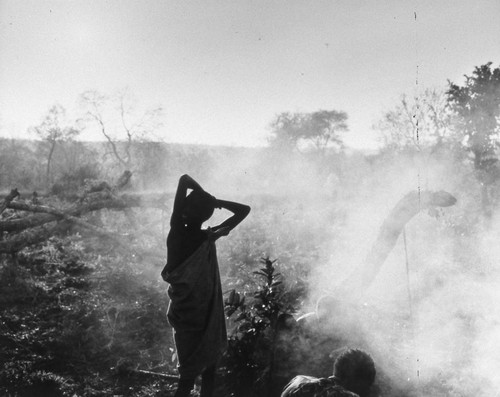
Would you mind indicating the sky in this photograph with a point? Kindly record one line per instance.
(222, 69)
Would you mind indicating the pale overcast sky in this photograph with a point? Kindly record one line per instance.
(223, 68)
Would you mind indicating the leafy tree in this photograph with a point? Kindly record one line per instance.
(477, 105)
(324, 127)
(286, 130)
(318, 129)
(120, 123)
(419, 122)
(53, 130)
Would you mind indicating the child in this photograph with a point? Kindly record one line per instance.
(196, 310)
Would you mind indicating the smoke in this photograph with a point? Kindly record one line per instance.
(430, 318)
(431, 321)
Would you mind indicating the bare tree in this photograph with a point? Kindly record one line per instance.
(419, 122)
(53, 130)
(117, 119)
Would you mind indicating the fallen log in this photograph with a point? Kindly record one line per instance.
(43, 221)
(44, 214)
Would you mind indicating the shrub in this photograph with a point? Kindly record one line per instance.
(258, 318)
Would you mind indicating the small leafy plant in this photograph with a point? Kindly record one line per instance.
(257, 321)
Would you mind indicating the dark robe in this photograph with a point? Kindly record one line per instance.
(196, 311)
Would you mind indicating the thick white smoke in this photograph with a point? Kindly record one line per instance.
(431, 321)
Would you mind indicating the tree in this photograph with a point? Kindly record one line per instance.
(119, 122)
(318, 129)
(324, 127)
(477, 106)
(53, 130)
(421, 122)
(286, 130)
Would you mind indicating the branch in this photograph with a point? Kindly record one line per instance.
(127, 130)
(123, 180)
(8, 199)
(409, 206)
(108, 138)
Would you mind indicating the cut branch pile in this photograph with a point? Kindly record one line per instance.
(31, 222)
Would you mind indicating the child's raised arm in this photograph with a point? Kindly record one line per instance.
(240, 212)
(185, 183)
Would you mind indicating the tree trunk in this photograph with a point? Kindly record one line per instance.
(49, 162)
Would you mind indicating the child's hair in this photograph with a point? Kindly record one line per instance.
(354, 365)
(201, 204)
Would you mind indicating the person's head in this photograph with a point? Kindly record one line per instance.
(355, 370)
(198, 208)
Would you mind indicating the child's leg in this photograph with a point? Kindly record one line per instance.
(184, 387)
(208, 382)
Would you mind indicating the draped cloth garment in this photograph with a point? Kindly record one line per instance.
(196, 311)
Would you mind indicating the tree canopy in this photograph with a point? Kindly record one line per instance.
(477, 106)
(319, 130)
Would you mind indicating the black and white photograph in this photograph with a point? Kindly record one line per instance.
(249, 198)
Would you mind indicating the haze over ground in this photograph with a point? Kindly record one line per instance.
(223, 69)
